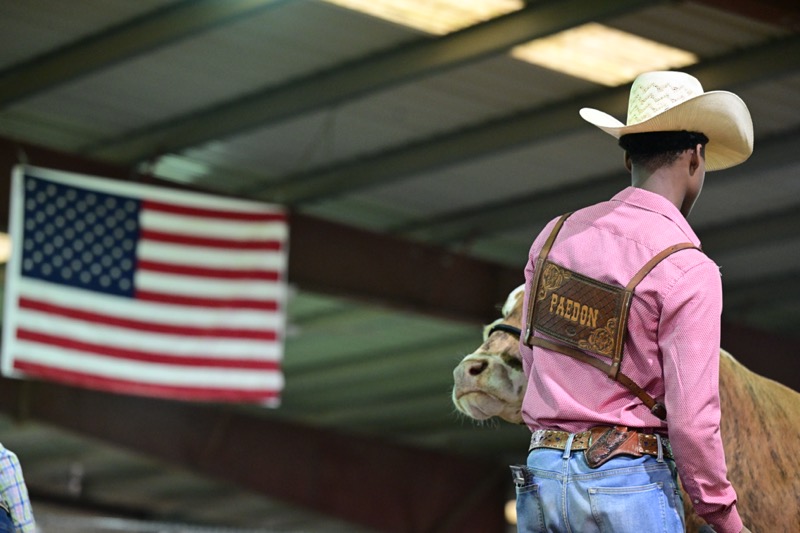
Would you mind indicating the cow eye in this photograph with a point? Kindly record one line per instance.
(512, 361)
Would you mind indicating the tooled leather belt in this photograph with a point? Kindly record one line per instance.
(603, 442)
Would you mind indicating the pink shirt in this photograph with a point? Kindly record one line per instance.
(671, 350)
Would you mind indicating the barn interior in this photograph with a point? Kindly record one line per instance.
(418, 154)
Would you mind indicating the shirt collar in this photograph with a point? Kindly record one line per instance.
(658, 204)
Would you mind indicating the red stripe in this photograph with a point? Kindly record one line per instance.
(122, 386)
(163, 207)
(152, 327)
(227, 244)
(214, 303)
(148, 357)
(206, 272)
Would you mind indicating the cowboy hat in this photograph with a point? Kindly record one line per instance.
(675, 101)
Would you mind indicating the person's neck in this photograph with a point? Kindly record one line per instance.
(665, 182)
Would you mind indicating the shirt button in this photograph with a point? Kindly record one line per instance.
(697, 501)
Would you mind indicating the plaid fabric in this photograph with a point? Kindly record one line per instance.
(14, 492)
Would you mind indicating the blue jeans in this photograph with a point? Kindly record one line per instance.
(6, 523)
(557, 491)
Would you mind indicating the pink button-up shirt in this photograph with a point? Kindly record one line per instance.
(671, 350)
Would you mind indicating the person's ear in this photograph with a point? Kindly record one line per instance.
(627, 161)
(695, 159)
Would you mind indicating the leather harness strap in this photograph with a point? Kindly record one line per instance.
(611, 370)
(654, 261)
(655, 407)
(539, 264)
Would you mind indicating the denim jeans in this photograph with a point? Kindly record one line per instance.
(6, 523)
(558, 492)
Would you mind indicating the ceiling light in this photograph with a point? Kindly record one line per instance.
(510, 511)
(176, 168)
(5, 247)
(438, 17)
(601, 54)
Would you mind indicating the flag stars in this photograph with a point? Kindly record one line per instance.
(230, 341)
(80, 238)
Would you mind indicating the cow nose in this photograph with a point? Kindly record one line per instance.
(476, 367)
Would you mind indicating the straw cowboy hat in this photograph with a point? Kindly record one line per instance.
(675, 101)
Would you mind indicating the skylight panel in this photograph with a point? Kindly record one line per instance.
(437, 17)
(601, 54)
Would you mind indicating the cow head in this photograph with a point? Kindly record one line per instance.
(490, 381)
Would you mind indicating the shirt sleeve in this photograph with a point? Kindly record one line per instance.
(689, 338)
(15, 493)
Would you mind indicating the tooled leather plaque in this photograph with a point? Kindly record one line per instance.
(582, 312)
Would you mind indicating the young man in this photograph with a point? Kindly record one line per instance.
(622, 338)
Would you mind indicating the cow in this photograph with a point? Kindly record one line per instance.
(760, 422)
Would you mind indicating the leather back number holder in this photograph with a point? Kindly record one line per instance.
(582, 312)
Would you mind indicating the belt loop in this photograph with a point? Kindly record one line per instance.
(568, 446)
(660, 457)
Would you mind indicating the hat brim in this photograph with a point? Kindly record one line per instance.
(722, 116)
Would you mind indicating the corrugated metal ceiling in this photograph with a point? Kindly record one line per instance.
(436, 141)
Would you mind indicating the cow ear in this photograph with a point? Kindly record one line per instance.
(488, 329)
(513, 299)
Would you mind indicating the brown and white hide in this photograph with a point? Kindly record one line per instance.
(760, 423)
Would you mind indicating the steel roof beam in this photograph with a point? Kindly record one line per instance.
(747, 298)
(357, 78)
(776, 12)
(740, 68)
(753, 231)
(336, 259)
(121, 42)
(537, 208)
(324, 470)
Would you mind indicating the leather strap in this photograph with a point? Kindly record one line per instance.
(655, 407)
(645, 270)
(557, 440)
(545, 251)
(616, 360)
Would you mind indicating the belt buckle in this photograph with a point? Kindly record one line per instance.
(602, 447)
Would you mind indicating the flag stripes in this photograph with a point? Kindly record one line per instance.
(143, 290)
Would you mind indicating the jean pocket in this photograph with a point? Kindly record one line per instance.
(530, 514)
(6, 524)
(632, 509)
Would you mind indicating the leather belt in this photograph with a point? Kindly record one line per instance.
(627, 441)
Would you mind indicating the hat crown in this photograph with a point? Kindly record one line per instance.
(653, 93)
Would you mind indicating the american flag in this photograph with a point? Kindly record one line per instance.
(137, 289)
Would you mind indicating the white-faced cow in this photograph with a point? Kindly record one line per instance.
(760, 423)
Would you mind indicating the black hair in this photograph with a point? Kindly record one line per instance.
(659, 148)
